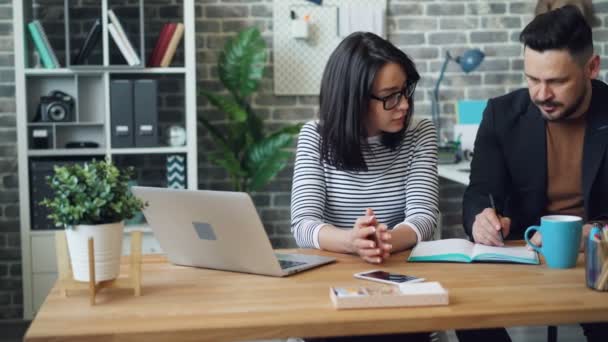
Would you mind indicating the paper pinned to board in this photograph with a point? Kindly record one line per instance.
(361, 17)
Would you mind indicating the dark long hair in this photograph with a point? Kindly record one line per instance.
(561, 28)
(346, 87)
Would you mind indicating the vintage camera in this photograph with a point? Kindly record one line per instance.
(57, 106)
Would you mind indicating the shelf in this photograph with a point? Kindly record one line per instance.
(90, 86)
(114, 151)
(66, 152)
(47, 72)
(149, 150)
(67, 124)
(161, 71)
(102, 69)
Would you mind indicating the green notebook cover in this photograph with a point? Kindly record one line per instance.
(461, 250)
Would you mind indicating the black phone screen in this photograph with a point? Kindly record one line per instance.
(394, 277)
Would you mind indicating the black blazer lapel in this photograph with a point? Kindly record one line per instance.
(527, 154)
(596, 138)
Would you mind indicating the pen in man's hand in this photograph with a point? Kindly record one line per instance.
(497, 214)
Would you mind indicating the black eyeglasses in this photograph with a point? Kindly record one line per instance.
(392, 100)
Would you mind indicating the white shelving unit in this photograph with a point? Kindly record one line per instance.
(90, 86)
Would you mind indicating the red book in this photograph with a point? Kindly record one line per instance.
(164, 37)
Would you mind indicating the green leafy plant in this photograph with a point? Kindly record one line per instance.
(93, 193)
(251, 157)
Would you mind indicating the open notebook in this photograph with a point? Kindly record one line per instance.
(460, 250)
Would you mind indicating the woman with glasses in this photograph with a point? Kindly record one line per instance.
(365, 177)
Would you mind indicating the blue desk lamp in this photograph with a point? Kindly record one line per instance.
(469, 61)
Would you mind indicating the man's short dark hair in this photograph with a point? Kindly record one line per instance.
(563, 28)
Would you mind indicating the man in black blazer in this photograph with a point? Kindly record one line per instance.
(543, 150)
(511, 148)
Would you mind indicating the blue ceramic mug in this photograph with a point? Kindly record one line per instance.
(561, 238)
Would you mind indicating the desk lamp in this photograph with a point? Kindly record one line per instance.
(469, 61)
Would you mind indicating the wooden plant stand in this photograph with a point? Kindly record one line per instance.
(67, 283)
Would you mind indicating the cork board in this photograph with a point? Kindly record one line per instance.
(299, 63)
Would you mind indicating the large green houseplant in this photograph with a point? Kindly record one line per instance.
(251, 156)
(92, 200)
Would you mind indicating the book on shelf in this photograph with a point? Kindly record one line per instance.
(89, 43)
(47, 43)
(461, 250)
(173, 44)
(162, 42)
(123, 36)
(121, 45)
(43, 46)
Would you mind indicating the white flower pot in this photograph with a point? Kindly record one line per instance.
(107, 242)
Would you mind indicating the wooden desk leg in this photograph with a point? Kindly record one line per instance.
(92, 288)
(63, 262)
(135, 269)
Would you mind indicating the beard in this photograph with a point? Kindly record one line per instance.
(566, 113)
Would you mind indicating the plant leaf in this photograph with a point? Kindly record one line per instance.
(227, 105)
(264, 149)
(268, 170)
(228, 162)
(241, 63)
(255, 124)
(91, 194)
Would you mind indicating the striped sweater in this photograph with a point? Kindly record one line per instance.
(401, 186)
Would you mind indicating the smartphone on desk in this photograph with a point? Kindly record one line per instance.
(387, 277)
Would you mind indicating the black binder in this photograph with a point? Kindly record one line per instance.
(146, 112)
(121, 113)
(90, 42)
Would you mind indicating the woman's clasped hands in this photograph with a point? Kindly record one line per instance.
(370, 239)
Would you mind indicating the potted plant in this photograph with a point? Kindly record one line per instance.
(92, 200)
(251, 156)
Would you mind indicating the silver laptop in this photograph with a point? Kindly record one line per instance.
(216, 229)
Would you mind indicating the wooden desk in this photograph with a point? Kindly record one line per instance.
(189, 304)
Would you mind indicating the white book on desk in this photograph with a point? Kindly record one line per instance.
(418, 294)
(461, 250)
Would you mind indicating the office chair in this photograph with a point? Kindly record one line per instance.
(551, 333)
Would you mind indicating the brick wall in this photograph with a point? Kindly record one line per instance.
(425, 29)
(10, 251)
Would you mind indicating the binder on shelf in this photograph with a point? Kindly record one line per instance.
(123, 36)
(121, 113)
(89, 43)
(173, 43)
(41, 138)
(146, 112)
(161, 44)
(43, 50)
(121, 45)
(47, 43)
